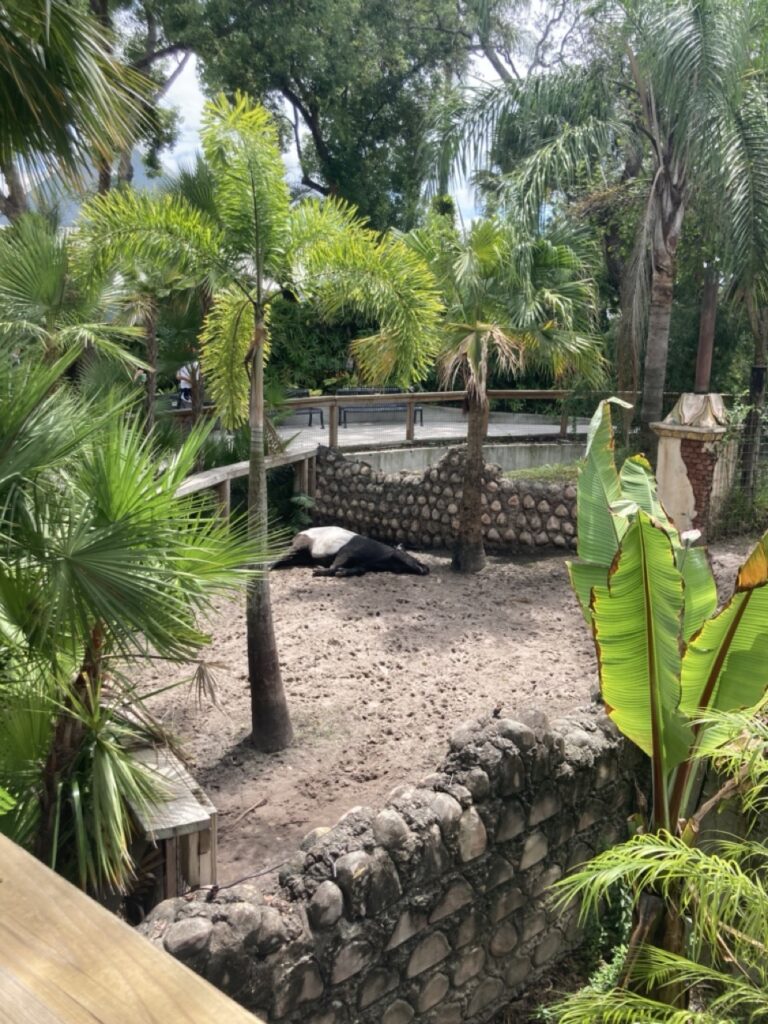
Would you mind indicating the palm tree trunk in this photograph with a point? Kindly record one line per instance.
(749, 457)
(270, 721)
(707, 320)
(100, 11)
(656, 923)
(15, 203)
(468, 551)
(68, 731)
(669, 220)
(150, 343)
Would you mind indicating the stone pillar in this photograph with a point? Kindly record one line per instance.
(696, 461)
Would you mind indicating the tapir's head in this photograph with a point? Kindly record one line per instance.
(403, 562)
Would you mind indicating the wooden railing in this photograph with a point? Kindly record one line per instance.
(331, 404)
(220, 477)
(66, 960)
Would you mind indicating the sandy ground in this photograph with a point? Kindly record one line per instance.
(379, 670)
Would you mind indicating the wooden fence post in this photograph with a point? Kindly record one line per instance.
(333, 425)
(301, 477)
(224, 498)
(410, 417)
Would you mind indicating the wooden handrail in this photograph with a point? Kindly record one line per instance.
(417, 397)
(67, 960)
(221, 477)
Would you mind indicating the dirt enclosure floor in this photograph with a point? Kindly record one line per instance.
(379, 670)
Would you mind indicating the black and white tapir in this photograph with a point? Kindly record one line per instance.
(340, 552)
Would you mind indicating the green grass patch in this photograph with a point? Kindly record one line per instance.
(564, 474)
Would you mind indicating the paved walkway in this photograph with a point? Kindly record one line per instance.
(439, 425)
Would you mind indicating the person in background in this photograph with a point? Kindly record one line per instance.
(188, 375)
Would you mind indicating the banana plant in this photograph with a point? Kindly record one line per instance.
(666, 656)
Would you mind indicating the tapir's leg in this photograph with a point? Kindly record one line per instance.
(300, 554)
(354, 570)
(291, 559)
(343, 565)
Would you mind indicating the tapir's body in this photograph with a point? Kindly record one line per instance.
(339, 552)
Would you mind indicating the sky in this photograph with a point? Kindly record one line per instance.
(186, 95)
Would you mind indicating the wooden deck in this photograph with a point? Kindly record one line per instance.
(66, 960)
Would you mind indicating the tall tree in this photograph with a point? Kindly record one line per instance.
(251, 247)
(687, 80)
(510, 300)
(357, 78)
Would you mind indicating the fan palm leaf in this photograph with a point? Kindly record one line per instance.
(63, 96)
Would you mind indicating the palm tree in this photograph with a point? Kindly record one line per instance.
(512, 300)
(49, 304)
(65, 98)
(103, 568)
(689, 77)
(252, 248)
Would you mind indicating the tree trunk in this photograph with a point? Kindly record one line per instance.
(655, 923)
(749, 456)
(150, 342)
(468, 551)
(68, 733)
(15, 203)
(707, 319)
(104, 178)
(669, 220)
(270, 721)
(125, 167)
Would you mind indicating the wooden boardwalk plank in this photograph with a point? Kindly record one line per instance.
(66, 960)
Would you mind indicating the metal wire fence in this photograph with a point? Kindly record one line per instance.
(744, 509)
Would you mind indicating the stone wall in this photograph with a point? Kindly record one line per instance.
(421, 509)
(433, 908)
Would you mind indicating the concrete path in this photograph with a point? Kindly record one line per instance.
(439, 425)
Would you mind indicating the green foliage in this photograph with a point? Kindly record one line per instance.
(560, 473)
(307, 351)
(7, 802)
(47, 302)
(64, 95)
(510, 299)
(359, 77)
(102, 568)
(245, 240)
(718, 887)
(665, 657)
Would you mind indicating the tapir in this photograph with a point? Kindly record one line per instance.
(339, 552)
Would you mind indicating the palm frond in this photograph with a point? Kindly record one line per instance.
(64, 95)
(153, 229)
(345, 266)
(714, 890)
(242, 147)
(226, 336)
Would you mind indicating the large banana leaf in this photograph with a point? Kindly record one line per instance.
(637, 621)
(700, 588)
(599, 488)
(600, 531)
(638, 485)
(726, 664)
(639, 489)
